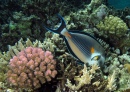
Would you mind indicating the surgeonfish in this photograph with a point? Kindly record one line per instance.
(81, 45)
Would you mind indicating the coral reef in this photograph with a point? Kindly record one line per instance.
(87, 79)
(112, 26)
(24, 19)
(51, 42)
(88, 17)
(68, 70)
(84, 79)
(31, 68)
(114, 30)
(116, 67)
(121, 13)
(21, 29)
(54, 43)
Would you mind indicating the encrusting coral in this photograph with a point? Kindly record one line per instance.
(31, 68)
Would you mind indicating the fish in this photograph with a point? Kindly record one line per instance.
(81, 45)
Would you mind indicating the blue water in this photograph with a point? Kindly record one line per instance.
(119, 4)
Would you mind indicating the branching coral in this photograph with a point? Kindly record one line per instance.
(111, 82)
(31, 68)
(54, 43)
(84, 79)
(3, 67)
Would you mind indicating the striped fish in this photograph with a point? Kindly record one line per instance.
(81, 45)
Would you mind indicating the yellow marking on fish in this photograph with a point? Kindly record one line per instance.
(92, 50)
(96, 58)
(67, 34)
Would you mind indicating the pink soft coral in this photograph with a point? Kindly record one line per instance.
(31, 68)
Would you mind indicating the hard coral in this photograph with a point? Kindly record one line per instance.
(85, 79)
(31, 68)
(127, 66)
(112, 26)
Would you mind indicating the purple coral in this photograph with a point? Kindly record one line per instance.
(31, 68)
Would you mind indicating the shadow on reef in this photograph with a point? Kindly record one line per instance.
(7, 9)
(47, 87)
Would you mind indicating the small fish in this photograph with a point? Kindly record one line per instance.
(81, 45)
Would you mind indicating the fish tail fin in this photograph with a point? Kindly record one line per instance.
(60, 28)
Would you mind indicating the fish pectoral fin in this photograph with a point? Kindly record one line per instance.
(96, 58)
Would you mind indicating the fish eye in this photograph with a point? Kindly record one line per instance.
(96, 58)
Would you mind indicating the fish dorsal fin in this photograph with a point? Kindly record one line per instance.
(103, 43)
(84, 33)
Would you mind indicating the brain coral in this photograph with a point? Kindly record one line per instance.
(31, 68)
(112, 25)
